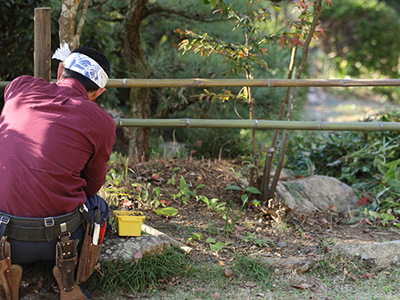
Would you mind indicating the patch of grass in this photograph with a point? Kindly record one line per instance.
(251, 269)
(139, 274)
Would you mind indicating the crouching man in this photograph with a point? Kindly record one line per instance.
(54, 146)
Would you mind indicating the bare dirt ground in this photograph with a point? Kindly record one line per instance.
(324, 106)
(300, 236)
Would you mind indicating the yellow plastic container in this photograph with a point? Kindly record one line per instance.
(129, 222)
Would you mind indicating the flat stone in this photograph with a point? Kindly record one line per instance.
(316, 194)
(380, 255)
(298, 265)
(115, 247)
(282, 244)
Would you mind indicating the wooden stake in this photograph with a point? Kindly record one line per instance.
(42, 43)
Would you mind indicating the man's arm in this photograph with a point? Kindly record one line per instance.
(96, 168)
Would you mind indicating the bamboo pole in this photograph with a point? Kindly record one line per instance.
(200, 82)
(42, 43)
(261, 124)
(3, 84)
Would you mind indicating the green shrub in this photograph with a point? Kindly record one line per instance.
(363, 37)
(360, 159)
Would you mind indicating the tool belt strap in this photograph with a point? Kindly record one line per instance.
(39, 229)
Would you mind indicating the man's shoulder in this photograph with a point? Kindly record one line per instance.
(102, 117)
(24, 82)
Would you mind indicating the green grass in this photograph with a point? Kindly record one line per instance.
(250, 280)
(137, 275)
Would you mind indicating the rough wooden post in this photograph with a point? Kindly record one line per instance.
(42, 43)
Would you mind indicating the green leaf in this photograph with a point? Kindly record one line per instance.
(182, 183)
(213, 3)
(219, 246)
(233, 187)
(195, 236)
(166, 211)
(210, 241)
(253, 190)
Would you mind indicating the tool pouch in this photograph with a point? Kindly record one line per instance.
(88, 257)
(66, 260)
(5, 264)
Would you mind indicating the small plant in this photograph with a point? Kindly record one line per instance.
(284, 227)
(195, 236)
(122, 164)
(141, 191)
(258, 242)
(216, 246)
(213, 204)
(184, 191)
(230, 212)
(302, 234)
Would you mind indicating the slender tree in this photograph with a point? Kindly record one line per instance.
(244, 57)
(68, 32)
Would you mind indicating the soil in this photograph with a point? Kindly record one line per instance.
(298, 236)
(254, 232)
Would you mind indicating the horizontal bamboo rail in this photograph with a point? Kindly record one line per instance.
(200, 82)
(261, 124)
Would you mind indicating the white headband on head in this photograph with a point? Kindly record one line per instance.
(82, 64)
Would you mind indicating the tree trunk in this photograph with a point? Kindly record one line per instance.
(269, 191)
(66, 22)
(140, 97)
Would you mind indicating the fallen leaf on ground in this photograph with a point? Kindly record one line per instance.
(361, 202)
(302, 286)
(368, 275)
(216, 295)
(250, 284)
(354, 277)
(240, 228)
(228, 273)
(138, 254)
(311, 282)
(198, 289)
(188, 268)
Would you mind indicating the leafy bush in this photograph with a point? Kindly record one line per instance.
(365, 160)
(363, 37)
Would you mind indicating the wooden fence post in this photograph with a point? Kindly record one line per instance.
(42, 43)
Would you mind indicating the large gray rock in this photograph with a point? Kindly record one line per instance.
(115, 247)
(380, 255)
(316, 193)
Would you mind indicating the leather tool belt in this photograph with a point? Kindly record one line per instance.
(40, 229)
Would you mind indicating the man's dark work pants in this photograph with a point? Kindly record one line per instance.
(28, 252)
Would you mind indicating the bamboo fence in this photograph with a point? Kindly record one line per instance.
(200, 82)
(256, 124)
(260, 124)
